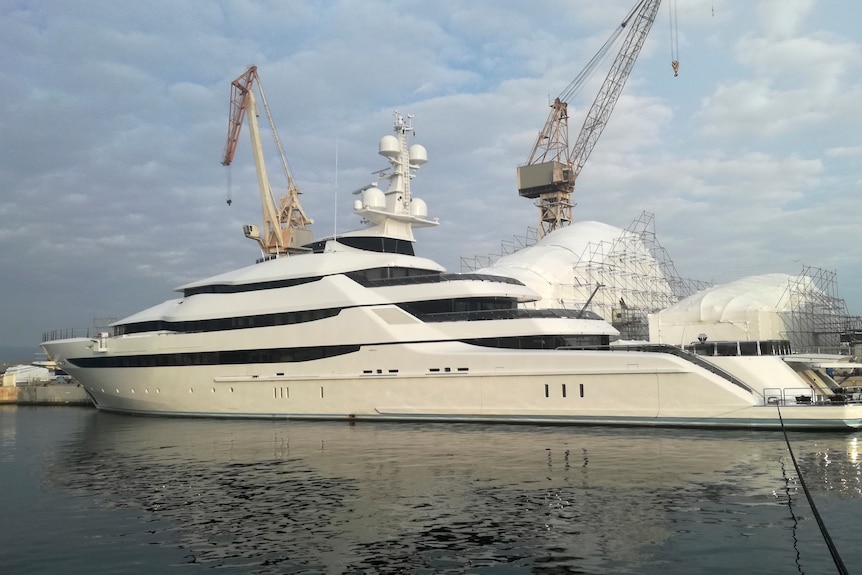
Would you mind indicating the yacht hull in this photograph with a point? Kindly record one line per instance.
(453, 382)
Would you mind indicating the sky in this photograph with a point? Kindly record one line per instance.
(113, 121)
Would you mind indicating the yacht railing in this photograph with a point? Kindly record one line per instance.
(831, 350)
(800, 396)
(67, 333)
(806, 396)
(700, 362)
(683, 354)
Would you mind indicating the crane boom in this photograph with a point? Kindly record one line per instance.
(552, 168)
(285, 225)
(239, 91)
(603, 105)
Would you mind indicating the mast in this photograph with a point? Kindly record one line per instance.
(395, 212)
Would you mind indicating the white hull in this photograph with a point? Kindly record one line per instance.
(454, 382)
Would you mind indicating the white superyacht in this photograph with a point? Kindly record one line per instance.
(358, 327)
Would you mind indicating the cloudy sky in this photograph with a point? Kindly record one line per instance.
(114, 116)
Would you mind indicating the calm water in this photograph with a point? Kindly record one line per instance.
(88, 492)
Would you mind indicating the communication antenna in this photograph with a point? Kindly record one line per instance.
(335, 196)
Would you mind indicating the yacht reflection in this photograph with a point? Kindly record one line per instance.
(333, 497)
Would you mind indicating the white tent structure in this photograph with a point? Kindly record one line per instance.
(627, 278)
(764, 307)
(588, 262)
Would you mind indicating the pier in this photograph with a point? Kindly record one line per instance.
(52, 392)
(44, 394)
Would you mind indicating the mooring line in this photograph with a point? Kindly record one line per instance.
(787, 491)
(839, 564)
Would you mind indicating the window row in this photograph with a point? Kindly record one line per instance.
(227, 323)
(543, 341)
(231, 357)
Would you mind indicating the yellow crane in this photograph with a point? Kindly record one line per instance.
(285, 225)
(552, 168)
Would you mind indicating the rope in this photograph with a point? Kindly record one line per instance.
(674, 31)
(787, 491)
(839, 564)
(229, 199)
(674, 37)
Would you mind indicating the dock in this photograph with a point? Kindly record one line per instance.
(40, 386)
(45, 394)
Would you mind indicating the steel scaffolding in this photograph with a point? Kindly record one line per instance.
(818, 320)
(636, 275)
(476, 262)
(632, 276)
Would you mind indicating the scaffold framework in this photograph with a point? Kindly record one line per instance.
(632, 276)
(636, 275)
(818, 320)
(476, 262)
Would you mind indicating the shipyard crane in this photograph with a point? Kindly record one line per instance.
(550, 173)
(285, 225)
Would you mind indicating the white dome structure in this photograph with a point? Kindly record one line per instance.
(568, 265)
(627, 278)
(752, 308)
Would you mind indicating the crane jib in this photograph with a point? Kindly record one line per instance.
(553, 166)
(285, 225)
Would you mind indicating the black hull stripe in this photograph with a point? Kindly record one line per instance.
(299, 354)
(232, 357)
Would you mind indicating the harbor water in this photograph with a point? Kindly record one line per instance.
(90, 492)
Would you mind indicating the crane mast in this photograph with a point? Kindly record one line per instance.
(285, 225)
(552, 168)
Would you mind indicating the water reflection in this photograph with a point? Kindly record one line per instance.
(407, 498)
(8, 433)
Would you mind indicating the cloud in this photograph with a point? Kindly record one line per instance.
(783, 18)
(114, 119)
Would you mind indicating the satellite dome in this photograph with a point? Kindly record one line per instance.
(389, 146)
(418, 208)
(373, 198)
(418, 154)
